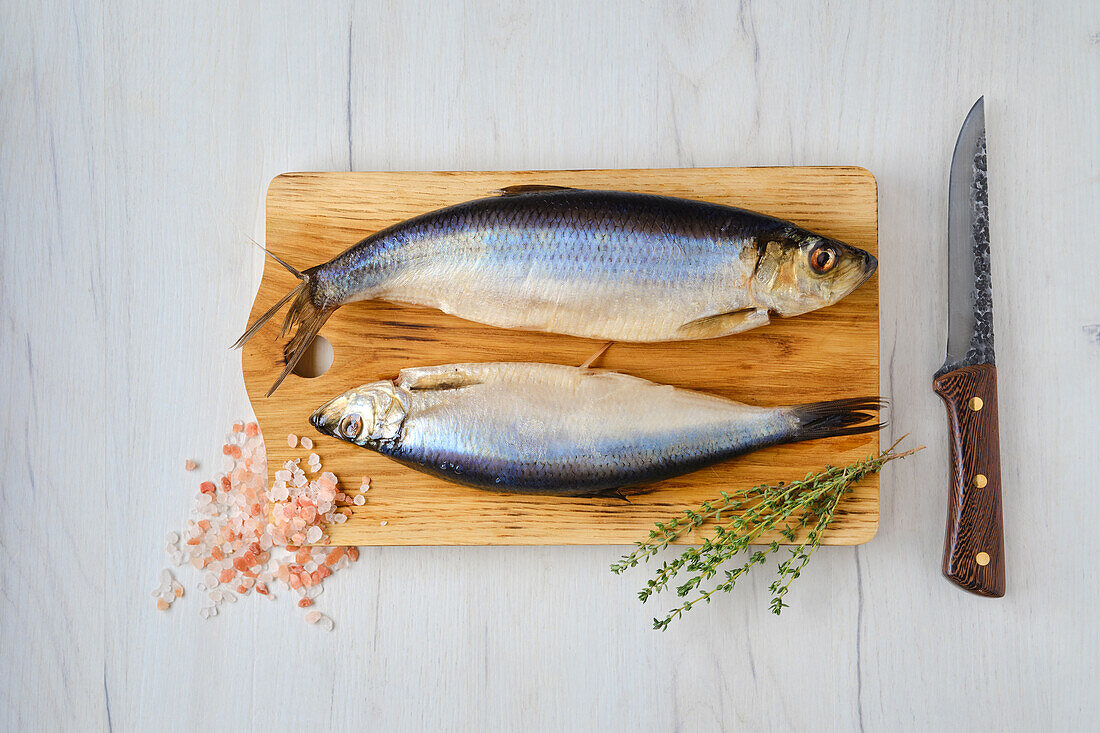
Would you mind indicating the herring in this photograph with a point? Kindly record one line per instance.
(567, 431)
(605, 265)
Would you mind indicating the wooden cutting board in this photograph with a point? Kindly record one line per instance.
(826, 354)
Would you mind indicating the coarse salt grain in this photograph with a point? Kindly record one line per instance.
(360, 500)
(292, 440)
(190, 465)
(241, 530)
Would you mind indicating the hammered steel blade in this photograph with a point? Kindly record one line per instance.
(969, 287)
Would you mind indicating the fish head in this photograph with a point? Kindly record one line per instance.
(799, 271)
(366, 415)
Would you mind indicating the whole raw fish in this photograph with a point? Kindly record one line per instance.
(601, 264)
(562, 430)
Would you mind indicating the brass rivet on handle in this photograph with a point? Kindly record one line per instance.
(975, 403)
(982, 558)
(980, 480)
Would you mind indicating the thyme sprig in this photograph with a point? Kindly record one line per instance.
(737, 520)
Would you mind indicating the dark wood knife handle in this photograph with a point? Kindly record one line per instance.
(974, 553)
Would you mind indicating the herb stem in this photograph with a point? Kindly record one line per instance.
(786, 509)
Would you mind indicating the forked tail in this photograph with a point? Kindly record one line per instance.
(304, 317)
(837, 417)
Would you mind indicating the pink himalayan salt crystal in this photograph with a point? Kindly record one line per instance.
(313, 617)
(307, 443)
(230, 538)
(190, 465)
(292, 440)
(162, 605)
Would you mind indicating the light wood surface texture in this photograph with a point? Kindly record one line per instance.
(828, 354)
(137, 143)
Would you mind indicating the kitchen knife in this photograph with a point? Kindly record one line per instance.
(973, 554)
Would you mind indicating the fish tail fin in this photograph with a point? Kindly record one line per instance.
(252, 329)
(278, 259)
(837, 417)
(305, 318)
(255, 326)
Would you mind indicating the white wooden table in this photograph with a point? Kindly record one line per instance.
(137, 143)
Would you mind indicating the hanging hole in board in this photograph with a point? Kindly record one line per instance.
(316, 360)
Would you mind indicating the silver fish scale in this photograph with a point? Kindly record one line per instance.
(583, 263)
(543, 428)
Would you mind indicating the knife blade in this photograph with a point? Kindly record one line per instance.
(973, 555)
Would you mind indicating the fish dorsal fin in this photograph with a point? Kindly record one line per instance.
(532, 188)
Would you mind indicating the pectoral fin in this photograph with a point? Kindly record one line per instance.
(723, 324)
(451, 376)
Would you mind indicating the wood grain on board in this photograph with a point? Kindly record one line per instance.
(827, 354)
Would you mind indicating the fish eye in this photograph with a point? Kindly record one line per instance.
(351, 426)
(823, 258)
